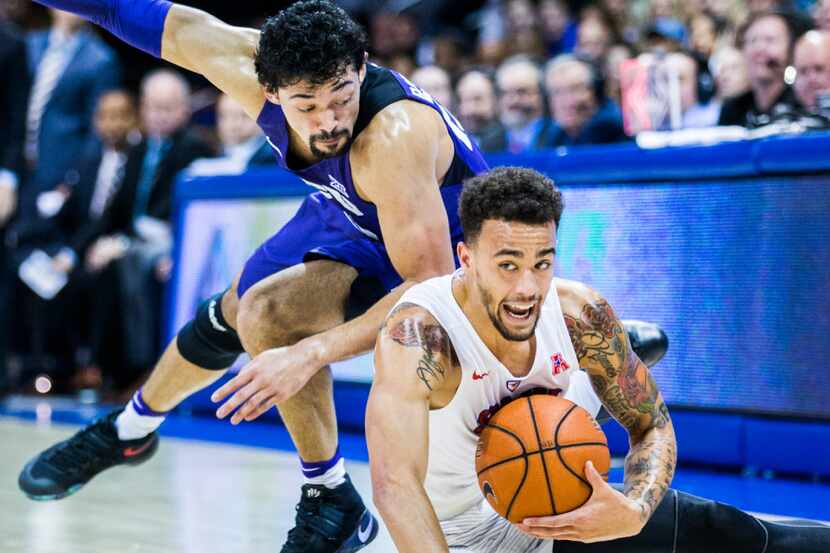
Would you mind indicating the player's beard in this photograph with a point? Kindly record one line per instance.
(495, 317)
(326, 153)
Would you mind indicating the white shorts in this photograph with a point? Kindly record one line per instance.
(481, 530)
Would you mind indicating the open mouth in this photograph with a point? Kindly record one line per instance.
(519, 312)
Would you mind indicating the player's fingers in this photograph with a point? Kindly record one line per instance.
(250, 406)
(237, 399)
(558, 521)
(262, 409)
(231, 386)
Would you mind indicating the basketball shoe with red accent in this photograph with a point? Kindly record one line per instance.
(65, 467)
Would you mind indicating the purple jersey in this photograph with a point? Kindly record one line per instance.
(333, 176)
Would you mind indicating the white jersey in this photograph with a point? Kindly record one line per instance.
(486, 384)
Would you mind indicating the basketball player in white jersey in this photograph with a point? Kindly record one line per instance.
(456, 348)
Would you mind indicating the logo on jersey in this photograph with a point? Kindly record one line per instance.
(512, 385)
(478, 376)
(559, 363)
(337, 185)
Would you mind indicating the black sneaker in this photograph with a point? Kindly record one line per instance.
(648, 341)
(331, 521)
(65, 467)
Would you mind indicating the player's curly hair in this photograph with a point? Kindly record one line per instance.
(512, 194)
(311, 41)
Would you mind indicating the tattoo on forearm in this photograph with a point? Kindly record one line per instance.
(621, 380)
(430, 337)
(649, 469)
(628, 391)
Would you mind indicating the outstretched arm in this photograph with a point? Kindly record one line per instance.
(187, 37)
(412, 358)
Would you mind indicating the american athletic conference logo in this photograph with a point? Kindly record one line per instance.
(559, 363)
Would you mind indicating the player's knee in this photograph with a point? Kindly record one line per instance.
(271, 311)
(208, 340)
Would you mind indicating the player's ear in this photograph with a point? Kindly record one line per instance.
(463, 252)
(272, 97)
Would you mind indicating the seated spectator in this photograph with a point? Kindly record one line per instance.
(665, 34)
(766, 40)
(558, 29)
(812, 64)
(436, 82)
(705, 29)
(476, 93)
(523, 34)
(694, 113)
(594, 36)
(124, 254)
(611, 68)
(78, 201)
(821, 15)
(70, 67)
(521, 106)
(728, 68)
(242, 141)
(581, 113)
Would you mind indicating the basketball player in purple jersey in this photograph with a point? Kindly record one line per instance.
(388, 162)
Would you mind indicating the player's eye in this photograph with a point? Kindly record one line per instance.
(543, 265)
(344, 102)
(306, 110)
(507, 266)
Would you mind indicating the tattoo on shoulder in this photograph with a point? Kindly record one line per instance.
(620, 378)
(430, 337)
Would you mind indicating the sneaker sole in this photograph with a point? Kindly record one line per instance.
(151, 451)
(54, 496)
(366, 532)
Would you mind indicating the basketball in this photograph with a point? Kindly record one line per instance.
(531, 457)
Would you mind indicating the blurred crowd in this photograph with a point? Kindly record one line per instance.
(91, 144)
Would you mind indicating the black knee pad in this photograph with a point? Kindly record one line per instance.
(208, 341)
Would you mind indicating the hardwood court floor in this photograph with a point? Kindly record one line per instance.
(192, 497)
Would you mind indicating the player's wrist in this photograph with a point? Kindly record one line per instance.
(315, 351)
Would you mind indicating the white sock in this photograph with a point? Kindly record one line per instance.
(332, 478)
(134, 423)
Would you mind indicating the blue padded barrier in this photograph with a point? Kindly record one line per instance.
(788, 446)
(808, 153)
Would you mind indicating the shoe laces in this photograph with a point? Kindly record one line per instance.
(84, 450)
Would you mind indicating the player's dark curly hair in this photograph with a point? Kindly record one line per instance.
(512, 194)
(311, 41)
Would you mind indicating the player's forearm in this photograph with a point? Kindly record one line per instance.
(649, 467)
(357, 336)
(409, 516)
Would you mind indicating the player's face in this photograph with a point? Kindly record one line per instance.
(323, 116)
(511, 265)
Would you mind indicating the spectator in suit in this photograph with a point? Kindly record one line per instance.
(243, 144)
(521, 105)
(125, 252)
(83, 197)
(476, 93)
(766, 40)
(581, 112)
(70, 68)
(14, 92)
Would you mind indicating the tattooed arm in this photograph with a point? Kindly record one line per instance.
(414, 370)
(627, 390)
